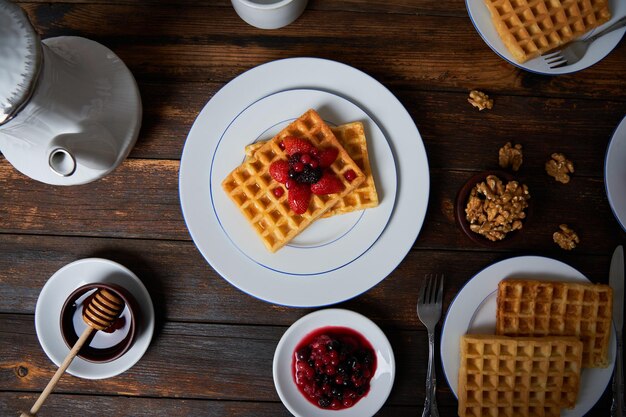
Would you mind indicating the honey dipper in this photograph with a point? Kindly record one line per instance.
(99, 313)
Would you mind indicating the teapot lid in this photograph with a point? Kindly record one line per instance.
(20, 59)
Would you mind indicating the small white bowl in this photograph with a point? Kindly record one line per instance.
(269, 14)
(380, 384)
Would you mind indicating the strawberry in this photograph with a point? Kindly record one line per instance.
(299, 196)
(328, 184)
(279, 170)
(327, 156)
(294, 145)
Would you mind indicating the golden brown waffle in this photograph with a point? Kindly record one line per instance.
(536, 308)
(518, 377)
(250, 185)
(530, 28)
(352, 137)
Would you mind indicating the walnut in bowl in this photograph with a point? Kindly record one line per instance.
(492, 207)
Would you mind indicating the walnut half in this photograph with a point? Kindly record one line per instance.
(480, 100)
(494, 209)
(511, 156)
(560, 167)
(565, 237)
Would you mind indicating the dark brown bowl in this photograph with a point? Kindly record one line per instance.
(105, 345)
(461, 202)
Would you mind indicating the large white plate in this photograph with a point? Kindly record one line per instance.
(315, 250)
(342, 272)
(56, 290)
(615, 173)
(380, 385)
(474, 311)
(481, 18)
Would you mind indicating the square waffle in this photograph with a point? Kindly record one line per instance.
(518, 377)
(352, 137)
(250, 185)
(538, 308)
(530, 28)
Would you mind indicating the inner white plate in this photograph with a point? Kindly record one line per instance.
(349, 91)
(380, 385)
(328, 243)
(481, 18)
(474, 311)
(615, 173)
(59, 287)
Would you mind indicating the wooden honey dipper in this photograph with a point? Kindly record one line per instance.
(101, 312)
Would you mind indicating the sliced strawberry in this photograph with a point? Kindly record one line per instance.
(328, 184)
(327, 156)
(279, 170)
(299, 196)
(294, 145)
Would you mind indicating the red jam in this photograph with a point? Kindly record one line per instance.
(333, 366)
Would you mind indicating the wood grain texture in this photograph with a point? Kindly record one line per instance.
(212, 351)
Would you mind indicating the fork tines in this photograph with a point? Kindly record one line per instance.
(432, 291)
(555, 59)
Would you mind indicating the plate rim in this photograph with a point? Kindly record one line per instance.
(621, 126)
(391, 117)
(576, 412)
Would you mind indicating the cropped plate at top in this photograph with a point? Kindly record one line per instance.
(481, 18)
(336, 258)
(474, 311)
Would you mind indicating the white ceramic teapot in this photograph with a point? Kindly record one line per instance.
(70, 110)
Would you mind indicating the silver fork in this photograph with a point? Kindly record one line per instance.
(574, 51)
(429, 304)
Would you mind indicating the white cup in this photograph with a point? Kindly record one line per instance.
(269, 14)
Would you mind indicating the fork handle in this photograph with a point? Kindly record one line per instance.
(617, 407)
(619, 24)
(430, 402)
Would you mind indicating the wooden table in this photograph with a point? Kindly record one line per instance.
(212, 350)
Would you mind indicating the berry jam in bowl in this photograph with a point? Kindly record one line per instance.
(331, 362)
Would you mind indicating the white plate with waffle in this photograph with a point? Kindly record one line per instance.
(474, 311)
(329, 263)
(313, 251)
(481, 18)
(615, 173)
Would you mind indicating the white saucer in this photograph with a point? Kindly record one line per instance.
(481, 18)
(101, 141)
(474, 311)
(615, 173)
(380, 384)
(60, 286)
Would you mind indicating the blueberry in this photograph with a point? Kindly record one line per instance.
(324, 402)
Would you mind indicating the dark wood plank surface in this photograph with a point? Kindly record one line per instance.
(212, 351)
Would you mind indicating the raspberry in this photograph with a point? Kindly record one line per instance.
(279, 170)
(328, 184)
(327, 156)
(350, 175)
(294, 145)
(299, 196)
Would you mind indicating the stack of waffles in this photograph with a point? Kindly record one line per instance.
(545, 333)
(251, 186)
(530, 28)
